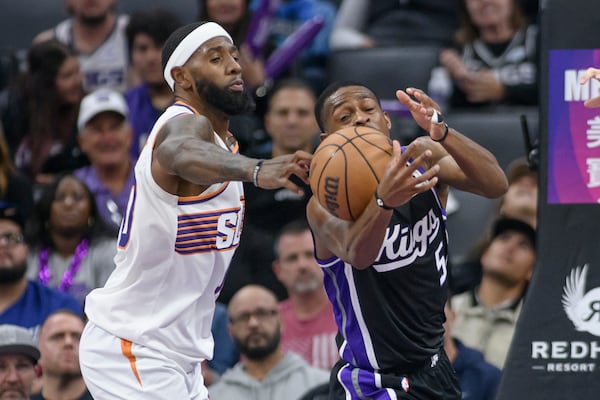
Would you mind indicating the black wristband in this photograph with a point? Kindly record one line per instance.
(380, 202)
(443, 137)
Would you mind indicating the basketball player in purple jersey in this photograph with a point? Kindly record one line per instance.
(386, 273)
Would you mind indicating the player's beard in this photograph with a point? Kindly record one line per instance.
(230, 102)
(259, 352)
(12, 275)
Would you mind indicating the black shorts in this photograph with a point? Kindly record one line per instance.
(435, 380)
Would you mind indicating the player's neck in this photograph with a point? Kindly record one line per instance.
(218, 119)
(308, 305)
(58, 387)
(160, 95)
(259, 369)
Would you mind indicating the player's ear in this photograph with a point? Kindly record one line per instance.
(181, 77)
(387, 119)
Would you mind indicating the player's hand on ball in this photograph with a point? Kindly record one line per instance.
(275, 173)
(401, 180)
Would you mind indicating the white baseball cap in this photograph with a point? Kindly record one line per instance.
(98, 102)
(17, 340)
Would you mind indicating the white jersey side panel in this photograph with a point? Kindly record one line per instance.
(172, 258)
(108, 65)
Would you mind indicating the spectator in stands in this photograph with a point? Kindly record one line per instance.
(311, 63)
(40, 119)
(18, 358)
(105, 137)
(147, 31)
(226, 353)
(235, 17)
(308, 324)
(23, 302)
(97, 35)
(59, 347)
(364, 23)
(291, 125)
(521, 199)
(486, 316)
(498, 56)
(519, 202)
(15, 188)
(267, 372)
(72, 249)
(478, 378)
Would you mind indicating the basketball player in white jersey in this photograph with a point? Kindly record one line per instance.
(150, 327)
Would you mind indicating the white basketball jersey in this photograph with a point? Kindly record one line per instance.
(172, 258)
(108, 65)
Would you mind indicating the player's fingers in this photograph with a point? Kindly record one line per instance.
(426, 185)
(428, 174)
(592, 103)
(293, 187)
(298, 170)
(589, 73)
(405, 99)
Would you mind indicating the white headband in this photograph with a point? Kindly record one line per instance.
(189, 45)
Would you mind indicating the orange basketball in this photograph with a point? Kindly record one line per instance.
(346, 169)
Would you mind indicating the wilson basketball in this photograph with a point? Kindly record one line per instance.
(346, 169)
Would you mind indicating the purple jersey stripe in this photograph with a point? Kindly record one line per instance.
(339, 292)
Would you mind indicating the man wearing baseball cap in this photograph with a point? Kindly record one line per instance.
(18, 357)
(486, 316)
(105, 137)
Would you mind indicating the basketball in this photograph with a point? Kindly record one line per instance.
(346, 169)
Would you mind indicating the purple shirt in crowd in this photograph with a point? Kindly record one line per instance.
(110, 207)
(142, 116)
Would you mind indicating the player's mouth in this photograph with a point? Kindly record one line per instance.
(237, 85)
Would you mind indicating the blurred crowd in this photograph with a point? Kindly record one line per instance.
(76, 112)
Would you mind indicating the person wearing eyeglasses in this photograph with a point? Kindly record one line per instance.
(266, 370)
(24, 302)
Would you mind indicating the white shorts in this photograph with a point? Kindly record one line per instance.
(115, 368)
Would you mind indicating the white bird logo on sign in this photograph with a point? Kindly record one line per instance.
(581, 308)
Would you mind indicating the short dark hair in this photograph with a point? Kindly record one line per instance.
(328, 91)
(294, 227)
(175, 38)
(289, 83)
(157, 23)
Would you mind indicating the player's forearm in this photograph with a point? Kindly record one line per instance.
(482, 174)
(204, 163)
(366, 236)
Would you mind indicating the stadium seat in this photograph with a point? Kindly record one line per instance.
(500, 132)
(384, 70)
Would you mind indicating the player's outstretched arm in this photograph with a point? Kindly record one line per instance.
(591, 73)
(464, 164)
(185, 148)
